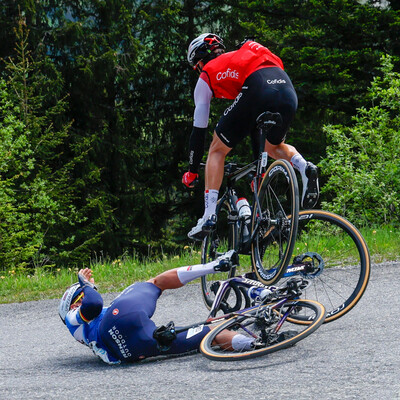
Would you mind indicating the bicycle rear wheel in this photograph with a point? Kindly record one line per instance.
(270, 331)
(219, 241)
(338, 262)
(277, 226)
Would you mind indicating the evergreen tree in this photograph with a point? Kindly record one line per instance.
(117, 146)
(38, 214)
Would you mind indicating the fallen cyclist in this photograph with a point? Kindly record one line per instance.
(124, 331)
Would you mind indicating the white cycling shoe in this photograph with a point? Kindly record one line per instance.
(204, 226)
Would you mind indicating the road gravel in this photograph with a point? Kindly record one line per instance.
(356, 357)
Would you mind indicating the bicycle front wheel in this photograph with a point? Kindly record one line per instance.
(219, 241)
(276, 227)
(337, 259)
(270, 331)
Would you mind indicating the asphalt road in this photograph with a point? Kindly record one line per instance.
(356, 357)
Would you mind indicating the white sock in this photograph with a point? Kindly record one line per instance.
(192, 272)
(241, 342)
(299, 163)
(210, 202)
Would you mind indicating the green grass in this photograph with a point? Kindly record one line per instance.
(383, 243)
(115, 275)
(110, 276)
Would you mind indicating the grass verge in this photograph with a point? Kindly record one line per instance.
(110, 276)
(115, 275)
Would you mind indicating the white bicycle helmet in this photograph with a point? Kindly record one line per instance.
(69, 296)
(202, 48)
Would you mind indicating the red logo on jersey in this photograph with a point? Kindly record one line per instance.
(115, 311)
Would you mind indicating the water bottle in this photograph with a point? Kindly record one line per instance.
(244, 212)
(244, 209)
(258, 293)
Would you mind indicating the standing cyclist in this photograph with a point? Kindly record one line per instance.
(255, 79)
(124, 331)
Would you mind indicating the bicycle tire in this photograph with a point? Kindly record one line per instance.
(273, 244)
(212, 348)
(344, 266)
(220, 240)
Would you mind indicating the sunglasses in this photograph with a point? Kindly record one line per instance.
(79, 297)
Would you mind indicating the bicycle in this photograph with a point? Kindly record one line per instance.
(332, 254)
(328, 249)
(267, 318)
(271, 222)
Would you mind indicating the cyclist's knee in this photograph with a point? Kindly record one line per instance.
(167, 280)
(281, 150)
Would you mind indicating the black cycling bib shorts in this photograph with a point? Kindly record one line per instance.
(268, 89)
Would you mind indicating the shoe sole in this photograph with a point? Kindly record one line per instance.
(201, 234)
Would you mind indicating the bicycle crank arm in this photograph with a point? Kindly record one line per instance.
(294, 269)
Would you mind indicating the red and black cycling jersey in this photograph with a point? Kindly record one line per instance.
(226, 74)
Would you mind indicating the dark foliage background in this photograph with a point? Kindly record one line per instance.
(100, 95)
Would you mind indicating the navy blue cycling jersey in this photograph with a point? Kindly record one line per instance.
(124, 331)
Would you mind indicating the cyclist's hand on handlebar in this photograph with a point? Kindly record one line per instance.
(190, 179)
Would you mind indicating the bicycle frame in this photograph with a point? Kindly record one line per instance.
(265, 122)
(243, 281)
(231, 196)
(246, 282)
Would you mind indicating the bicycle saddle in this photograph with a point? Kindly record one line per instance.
(267, 120)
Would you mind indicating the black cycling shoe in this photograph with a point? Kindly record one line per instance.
(310, 186)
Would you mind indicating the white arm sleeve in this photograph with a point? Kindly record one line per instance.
(202, 99)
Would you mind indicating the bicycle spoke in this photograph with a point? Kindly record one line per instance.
(277, 224)
(262, 331)
(343, 276)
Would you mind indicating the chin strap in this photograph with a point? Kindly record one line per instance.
(211, 56)
(197, 67)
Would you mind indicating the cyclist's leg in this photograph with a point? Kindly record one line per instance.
(215, 163)
(276, 148)
(235, 124)
(307, 170)
(188, 340)
(167, 280)
(228, 340)
(232, 127)
(178, 277)
(233, 341)
(281, 151)
(214, 174)
(279, 95)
